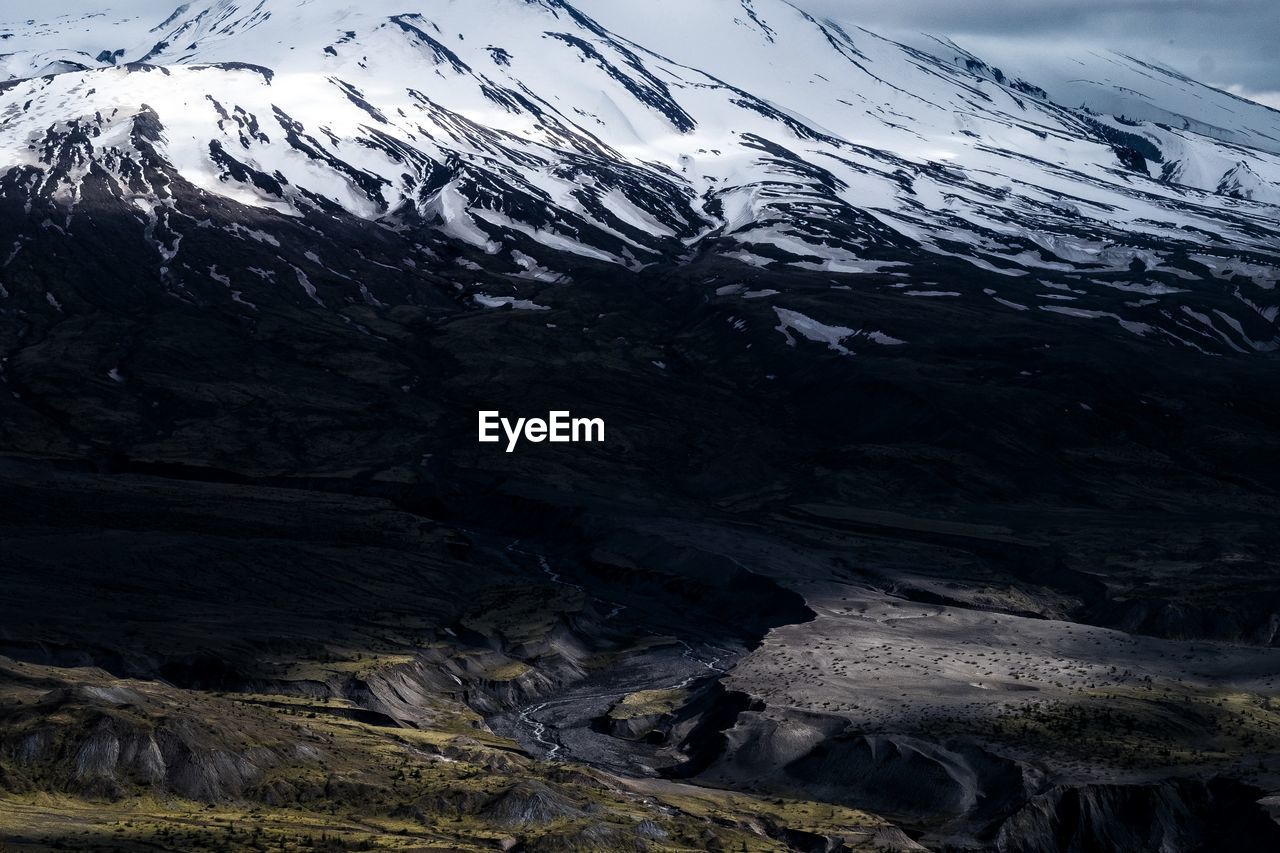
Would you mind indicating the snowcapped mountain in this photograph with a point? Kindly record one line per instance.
(510, 144)
(1120, 85)
(939, 389)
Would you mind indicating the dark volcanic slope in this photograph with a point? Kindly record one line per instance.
(1130, 499)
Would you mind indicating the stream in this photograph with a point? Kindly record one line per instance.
(559, 728)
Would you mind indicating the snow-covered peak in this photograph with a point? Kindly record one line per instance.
(1116, 84)
(542, 133)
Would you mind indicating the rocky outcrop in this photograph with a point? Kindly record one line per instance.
(529, 803)
(1254, 620)
(912, 778)
(1177, 816)
(112, 755)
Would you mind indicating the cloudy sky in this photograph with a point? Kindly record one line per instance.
(1234, 44)
(1228, 43)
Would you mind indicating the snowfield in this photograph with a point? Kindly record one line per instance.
(546, 134)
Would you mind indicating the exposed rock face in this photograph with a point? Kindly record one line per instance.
(900, 775)
(964, 796)
(107, 755)
(908, 777)
(1253, 620)
(529, 803)
(589, 840)
(648, 714)
(1179, 815)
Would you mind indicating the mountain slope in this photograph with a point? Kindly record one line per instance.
(938, 413)
(529, 137)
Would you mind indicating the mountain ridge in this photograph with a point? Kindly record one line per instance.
(558, 141)
(937, 406)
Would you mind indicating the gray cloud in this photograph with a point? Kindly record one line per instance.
(1230, 43)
